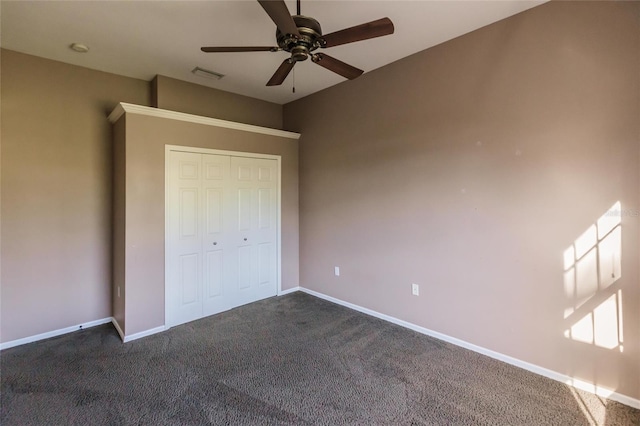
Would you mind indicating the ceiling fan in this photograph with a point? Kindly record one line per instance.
(302, 35)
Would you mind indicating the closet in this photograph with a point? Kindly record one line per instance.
(205, 217)
(221, 241)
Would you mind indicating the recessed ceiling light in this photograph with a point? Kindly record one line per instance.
(79, 47)
(206, 73)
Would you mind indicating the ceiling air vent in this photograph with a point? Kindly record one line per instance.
(206, 73)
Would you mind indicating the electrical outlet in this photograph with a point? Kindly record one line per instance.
(415, 289)
(118, 291)
(336, 270)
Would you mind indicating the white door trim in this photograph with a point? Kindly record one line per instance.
(180, 148)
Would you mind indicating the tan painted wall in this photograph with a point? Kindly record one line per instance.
(58, 245)
(118, 292)
(469, 168)
(56, 192)
(145, 221)
(177, 95)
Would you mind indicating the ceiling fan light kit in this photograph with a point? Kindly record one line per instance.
(301, 35)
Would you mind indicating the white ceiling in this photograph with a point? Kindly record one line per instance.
(143, 38)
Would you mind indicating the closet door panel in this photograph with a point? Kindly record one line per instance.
(266, 258)
(245, 209)
(245, 267)
(214, 275)
(264, 208)
(215, 245)
(266, 227)
(254, 183)
(188, 281)
(184, 262)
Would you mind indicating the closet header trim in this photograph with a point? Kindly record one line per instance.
(122, 108)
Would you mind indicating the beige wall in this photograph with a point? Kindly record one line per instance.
(146, 138)
(177, 95)
(118, 292)
(57, 209)
(468, 169)
(56, 192)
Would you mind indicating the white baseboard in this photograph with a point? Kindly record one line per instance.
(142, 334)
(54, 333)
(66, 330)
(288, 291)
(579, 384)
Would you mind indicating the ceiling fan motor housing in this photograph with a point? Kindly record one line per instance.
(309, 40)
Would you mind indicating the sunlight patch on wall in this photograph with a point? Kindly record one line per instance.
(592, 265)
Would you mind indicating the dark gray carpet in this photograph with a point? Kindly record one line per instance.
(289, 360)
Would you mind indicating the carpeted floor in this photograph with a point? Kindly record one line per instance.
(289, 360)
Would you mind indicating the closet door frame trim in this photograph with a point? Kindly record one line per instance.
(180, 148)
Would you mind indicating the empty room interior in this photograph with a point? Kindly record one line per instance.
(433, 218)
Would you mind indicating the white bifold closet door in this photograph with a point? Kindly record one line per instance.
(221, 233)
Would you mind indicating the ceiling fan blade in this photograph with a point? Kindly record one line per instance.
(240, 49)
(281, 73)
(339, 67)
(372, 29)
(279, 14)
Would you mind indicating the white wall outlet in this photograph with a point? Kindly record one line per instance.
(336, 271)
(118, 291)
(415, 289)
